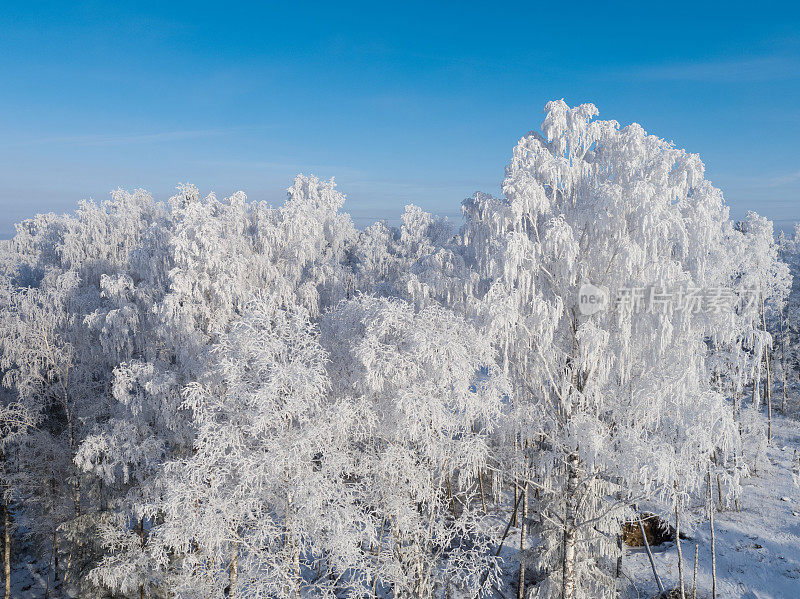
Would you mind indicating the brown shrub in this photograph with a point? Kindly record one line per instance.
(657, 530)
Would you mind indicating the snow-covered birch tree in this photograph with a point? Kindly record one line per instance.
(260, 508)
(429, 396)
(615, 404)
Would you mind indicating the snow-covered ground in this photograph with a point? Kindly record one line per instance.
(758, 548)
(29, 581)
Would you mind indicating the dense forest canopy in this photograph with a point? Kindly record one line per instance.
(206, 398)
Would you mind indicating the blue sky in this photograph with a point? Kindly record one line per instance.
(401, 103)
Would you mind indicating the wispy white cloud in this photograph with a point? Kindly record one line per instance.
(112, 139)
(290, 166)
(766, 68)
(783, 180)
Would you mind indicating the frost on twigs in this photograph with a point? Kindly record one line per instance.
(217, 398)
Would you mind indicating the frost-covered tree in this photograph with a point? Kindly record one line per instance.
(417, 261)
(41, 351)
(54, 365)
(17, 421)
(428, 396)
(615, 404)
(789, 319)
(214, 397)
(261, 506)
(200, 262)
(768, 280)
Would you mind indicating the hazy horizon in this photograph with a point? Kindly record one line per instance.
(358, 211)
(420, 104)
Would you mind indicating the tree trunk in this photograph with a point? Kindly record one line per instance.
(142, 542)
(757, 382)
(516, 488)
(378, 559)
(523, 520)
(769, 397)
(483, 493)
(785, 389)
(450, 497)
(233, 571)
(7, 548)
(296, 568)
(570, 533)
(783, 362)
(498, 550)
(713, 541)
(678, 541)
(650, 557)
(713, 558)
(756, 395)
(768, 381)
(55, 557)
(694, 580)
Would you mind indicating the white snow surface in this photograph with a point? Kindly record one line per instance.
(758, 547)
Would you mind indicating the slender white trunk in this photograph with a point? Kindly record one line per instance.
(7, 549)
(5, 508)
(142, 542)
(523, 520)
(450, 498)
(570, 533)
(694, 580)
(756, 396)
(785, 388)
(516, 488)
(713, 541)
(650, 557)
(769, 396)
(766, 353)
(483, 493)
(233, 571)
(783, 362)
(713, 558)
(678, 541)
(378, 558)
